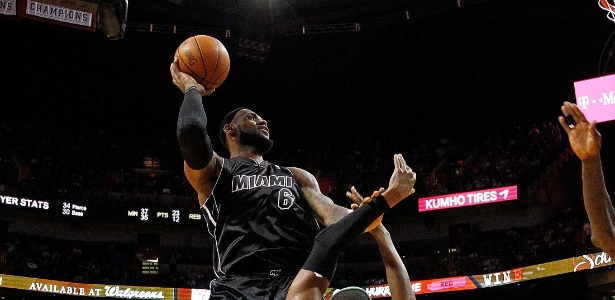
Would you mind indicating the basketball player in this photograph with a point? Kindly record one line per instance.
(311, 282)
(585, 141)
(263, 217)
(315, 275)
(396, 273)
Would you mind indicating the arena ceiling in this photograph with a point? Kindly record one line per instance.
(264, 18)
(462, 66)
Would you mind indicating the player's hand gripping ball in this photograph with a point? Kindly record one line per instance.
(205, 59)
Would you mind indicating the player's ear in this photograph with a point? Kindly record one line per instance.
(230, 129)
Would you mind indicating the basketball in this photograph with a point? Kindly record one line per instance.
(205, 59)
(374, 224)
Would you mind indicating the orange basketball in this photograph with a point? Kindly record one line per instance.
(374, 224)
(205, 59)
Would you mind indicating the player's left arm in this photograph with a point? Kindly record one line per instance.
(396, 273)
(325, 210)
(586, 142)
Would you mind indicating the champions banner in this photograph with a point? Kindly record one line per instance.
(71, 13)
(450, 284)
(8, 8)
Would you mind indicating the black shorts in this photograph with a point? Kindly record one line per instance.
(251, 287)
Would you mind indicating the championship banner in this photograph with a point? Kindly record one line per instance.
(8, 8)
(70, 13)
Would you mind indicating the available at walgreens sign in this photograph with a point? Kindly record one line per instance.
(85, 290)
(553, 268)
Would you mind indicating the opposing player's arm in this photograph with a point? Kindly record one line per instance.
(397, 275)
(325, 210)
(586, 142)
(598, 206)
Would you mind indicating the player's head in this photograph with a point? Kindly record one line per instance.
(246, 128)
(351, 293)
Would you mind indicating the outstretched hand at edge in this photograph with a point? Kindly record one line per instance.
(584, 139)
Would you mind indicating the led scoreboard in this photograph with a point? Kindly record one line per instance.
(69, 209)
(66, 209)
(145, 214)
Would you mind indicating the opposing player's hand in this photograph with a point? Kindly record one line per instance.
(183, 81)
(359, 200)
(401, 184)
(584, 138)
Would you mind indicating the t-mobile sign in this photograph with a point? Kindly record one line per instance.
(487, 196)
(596, 98)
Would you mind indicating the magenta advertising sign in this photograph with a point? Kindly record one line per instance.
(487, 196)
(596, 98)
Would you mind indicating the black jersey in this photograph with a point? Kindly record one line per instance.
(259, 219)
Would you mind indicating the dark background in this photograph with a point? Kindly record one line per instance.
(460, 72)
(447, 71)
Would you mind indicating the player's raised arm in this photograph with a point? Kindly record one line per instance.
(396, 272)
(585, 141)
(201, 164)
(315, 275)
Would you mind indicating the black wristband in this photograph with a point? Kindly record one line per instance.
(328, 243)
(381, 203)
